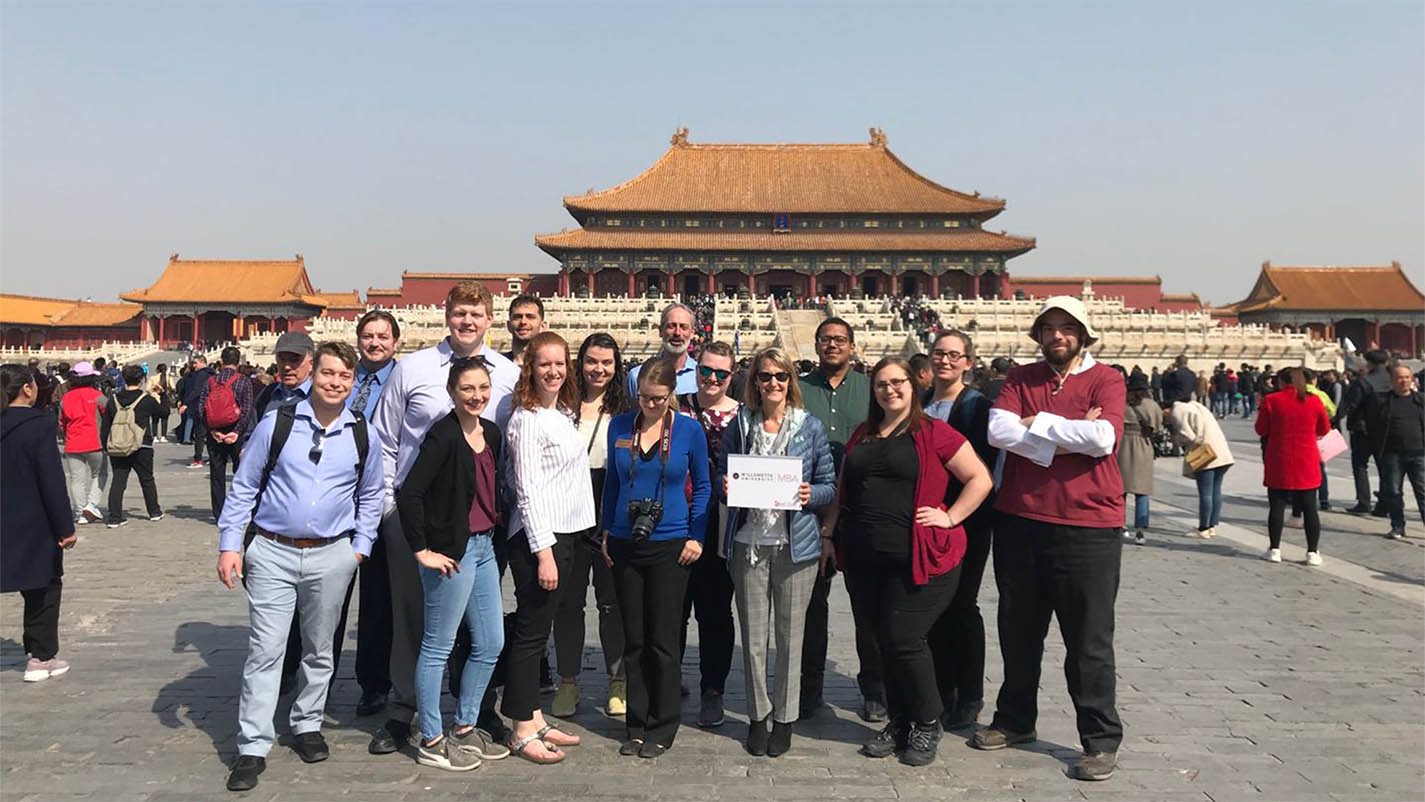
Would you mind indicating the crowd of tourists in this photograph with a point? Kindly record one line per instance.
(425, 480)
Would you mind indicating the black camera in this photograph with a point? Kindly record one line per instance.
(643, 517)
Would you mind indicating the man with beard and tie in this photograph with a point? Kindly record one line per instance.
(675, 328)
(1057, 545)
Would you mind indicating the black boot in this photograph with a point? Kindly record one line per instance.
(781, 739)
(922, 744)
(888, 741)
(758, 736)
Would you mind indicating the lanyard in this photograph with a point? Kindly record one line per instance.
(664, 447)
(598, 422)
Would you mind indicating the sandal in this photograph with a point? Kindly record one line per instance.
(518, 748)
(563, 739)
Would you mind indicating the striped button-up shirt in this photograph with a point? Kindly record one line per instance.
(549, 467)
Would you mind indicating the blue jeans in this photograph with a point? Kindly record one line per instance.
(471, 595)
(1140, 510)
(1209, 497)
(1395, 467)
(1249, 404)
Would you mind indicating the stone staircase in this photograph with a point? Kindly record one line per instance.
(797, 328)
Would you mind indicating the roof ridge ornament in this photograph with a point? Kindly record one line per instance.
(680, 137)
(878, 138)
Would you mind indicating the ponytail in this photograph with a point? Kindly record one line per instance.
(13, 379)
(1298, 381)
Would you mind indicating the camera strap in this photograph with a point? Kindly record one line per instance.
(665, 446)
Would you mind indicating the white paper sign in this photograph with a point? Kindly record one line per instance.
(767, 483)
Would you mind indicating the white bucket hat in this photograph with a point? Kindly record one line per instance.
(1070, 306)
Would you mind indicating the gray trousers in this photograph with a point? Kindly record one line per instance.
(282, 579)
(86, 476)
(771, 588)
(407, 618)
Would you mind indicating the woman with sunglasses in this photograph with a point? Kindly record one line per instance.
(603, 394)
(773, 554)
(709, 586)
(652, 533)
(957, 641)
(448, 506)
(549, 466)
(902, 546)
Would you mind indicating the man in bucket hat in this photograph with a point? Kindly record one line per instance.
(1058, 544)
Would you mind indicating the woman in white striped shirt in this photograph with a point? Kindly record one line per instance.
(554, 501)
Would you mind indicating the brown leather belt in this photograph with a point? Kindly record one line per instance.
(300, 542)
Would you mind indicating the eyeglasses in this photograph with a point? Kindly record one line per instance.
(652, 399)
(315, 455)
(721, 375)
(833, 340)
(953, 356)
(764, 377)
(464, 362)
(891, 384)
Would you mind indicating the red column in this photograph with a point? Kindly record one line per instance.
(195, 329)
(974, 286)
(161, 335)
(671, 281)
(934, 286)
(751, 284)
(631, 291)
(589, 278)
(712, 284)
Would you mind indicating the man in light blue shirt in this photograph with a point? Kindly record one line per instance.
(314, 522)
(675, 328)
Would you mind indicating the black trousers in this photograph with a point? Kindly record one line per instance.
(709, 596)
(41, 636)
(869, 676)
(1304, 500)
(1071, 573)
(1360, 468)
(373, 628)
(651, 585)
(219, 455)
(882, 591)
(534, 615)
(199, 433)
(957, 641)
(585, 562)
(141, 463)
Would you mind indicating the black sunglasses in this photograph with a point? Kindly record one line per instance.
(315, 455)
(705, 371)
(764, 377)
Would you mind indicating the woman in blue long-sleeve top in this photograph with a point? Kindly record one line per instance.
(652, 533)
(773, 554)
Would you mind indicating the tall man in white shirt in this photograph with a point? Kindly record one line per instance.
(415, 398)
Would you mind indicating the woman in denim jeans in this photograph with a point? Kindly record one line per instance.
(1194, 424)
(448, 507)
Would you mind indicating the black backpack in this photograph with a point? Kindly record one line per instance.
(281, 430)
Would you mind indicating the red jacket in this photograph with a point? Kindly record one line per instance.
(1291, 425)
(933, 550)
(79, 415)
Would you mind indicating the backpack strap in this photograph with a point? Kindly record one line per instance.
(281, 430)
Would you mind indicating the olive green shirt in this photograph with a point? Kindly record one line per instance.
(840, 410)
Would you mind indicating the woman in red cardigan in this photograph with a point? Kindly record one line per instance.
(1291, 420)
(900, 544)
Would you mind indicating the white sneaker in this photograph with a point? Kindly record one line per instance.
(1210, 532)
(41, 670)
(1313, 558)
(1139, 537)
(1273, 555)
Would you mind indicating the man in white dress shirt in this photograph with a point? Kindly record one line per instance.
(413, 399)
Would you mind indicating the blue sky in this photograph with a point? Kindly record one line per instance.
(1188, 140)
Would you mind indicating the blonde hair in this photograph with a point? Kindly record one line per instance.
(752, 391)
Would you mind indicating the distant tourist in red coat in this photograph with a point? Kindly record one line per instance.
(1058, 545)
(1291, 420)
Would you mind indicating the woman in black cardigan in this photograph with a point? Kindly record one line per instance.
(35, 525)
(448, 507)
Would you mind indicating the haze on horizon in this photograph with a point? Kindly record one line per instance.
(1188, 140)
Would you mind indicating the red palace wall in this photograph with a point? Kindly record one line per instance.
(432, 291)
(1135, 294)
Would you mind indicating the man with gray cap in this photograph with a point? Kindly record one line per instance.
(294, 373)
(1057, 545)
(225, 408)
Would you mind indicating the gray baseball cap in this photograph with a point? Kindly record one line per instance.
(294, 342)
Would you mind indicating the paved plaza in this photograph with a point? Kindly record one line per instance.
(1238, 680)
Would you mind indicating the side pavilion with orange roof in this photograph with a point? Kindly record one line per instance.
(813, 219)
(29, 321)
(1375, 304)
(198, 301)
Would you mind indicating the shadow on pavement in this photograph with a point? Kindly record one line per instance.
(207, 697)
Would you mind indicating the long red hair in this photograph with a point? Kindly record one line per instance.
(526, 394)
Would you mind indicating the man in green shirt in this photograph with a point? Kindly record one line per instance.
(840, 398)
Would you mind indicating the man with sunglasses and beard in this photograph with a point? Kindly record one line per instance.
(1057, 545)
(315, 516)
(840, 398)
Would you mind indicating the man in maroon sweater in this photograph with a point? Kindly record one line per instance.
(1058, 543)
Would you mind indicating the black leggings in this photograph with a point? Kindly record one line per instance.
(1305, 500)
(42, 620)
(534, 616)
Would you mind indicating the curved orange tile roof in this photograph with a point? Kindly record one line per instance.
(1331, 287)
(230, 282)
(656, 239)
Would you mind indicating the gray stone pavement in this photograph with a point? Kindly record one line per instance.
(1238, 680)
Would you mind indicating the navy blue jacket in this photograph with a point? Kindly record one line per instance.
(36, 513)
